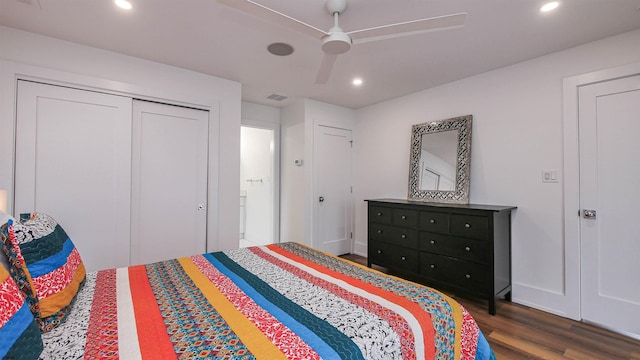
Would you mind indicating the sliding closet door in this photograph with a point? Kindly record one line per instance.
(73, 161)
(169, 188)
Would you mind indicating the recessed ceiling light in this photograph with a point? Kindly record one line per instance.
(357, 82)
(124, 4)
(549, 6)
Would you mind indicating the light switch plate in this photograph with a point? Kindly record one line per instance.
(549, 176)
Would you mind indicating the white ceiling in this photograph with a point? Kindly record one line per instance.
(205, 36)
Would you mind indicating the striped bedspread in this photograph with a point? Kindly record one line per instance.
(284, 301)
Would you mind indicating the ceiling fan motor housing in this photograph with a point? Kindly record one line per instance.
(336, 6)
(336, 43)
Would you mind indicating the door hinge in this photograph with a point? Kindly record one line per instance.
(351, 143)
(351, 235)
(351, 187)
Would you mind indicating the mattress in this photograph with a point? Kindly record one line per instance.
(281, 301)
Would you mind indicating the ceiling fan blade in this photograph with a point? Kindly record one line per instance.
(408, 28)
(325, 68)
(266, 13)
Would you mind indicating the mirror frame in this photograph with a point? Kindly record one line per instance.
(461, 193)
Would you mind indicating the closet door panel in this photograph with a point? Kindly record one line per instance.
(73, 161)
(169, 188)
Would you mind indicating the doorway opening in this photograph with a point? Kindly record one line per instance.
(259, 184)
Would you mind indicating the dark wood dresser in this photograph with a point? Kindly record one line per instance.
(462, 248)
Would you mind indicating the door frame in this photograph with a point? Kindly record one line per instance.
(571, 172)
(276, 169)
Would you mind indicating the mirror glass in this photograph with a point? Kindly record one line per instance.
(440, 161)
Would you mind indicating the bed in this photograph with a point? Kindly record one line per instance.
(281, 301)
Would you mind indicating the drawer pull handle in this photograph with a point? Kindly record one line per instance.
(403, 236)
(404, 217)
(379, 251)
(379, 214)
(379, 231)
(432, 221)
(467, 225)
(433, 266)
(433, 242)
(468, 276)
(403, 258)
(467, 248)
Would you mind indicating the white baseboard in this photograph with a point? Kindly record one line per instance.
(360, 249)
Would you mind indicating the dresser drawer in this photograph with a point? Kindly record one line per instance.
(434, 221)
(465, 249)
(377, 252)
(394, 235)
(394, 257)
(476, 227)
(380, 214)
(454, 272)
(404, 217)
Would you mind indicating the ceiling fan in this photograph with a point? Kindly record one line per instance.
(336, 41)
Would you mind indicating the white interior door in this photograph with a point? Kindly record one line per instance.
(73, 162)
(169, 182)
(609, 125)
(333, 209)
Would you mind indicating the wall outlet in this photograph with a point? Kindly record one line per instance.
(549, 176)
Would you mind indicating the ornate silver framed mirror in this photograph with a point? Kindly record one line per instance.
(440, 159)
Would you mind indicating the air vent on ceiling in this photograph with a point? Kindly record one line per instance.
(276, 97)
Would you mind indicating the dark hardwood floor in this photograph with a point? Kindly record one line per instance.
(520, 332)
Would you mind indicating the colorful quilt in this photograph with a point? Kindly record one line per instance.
(284, 301)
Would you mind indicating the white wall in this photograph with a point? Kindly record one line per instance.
(292, 192)
(107, 70)
(261, 113)
(517, 131)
